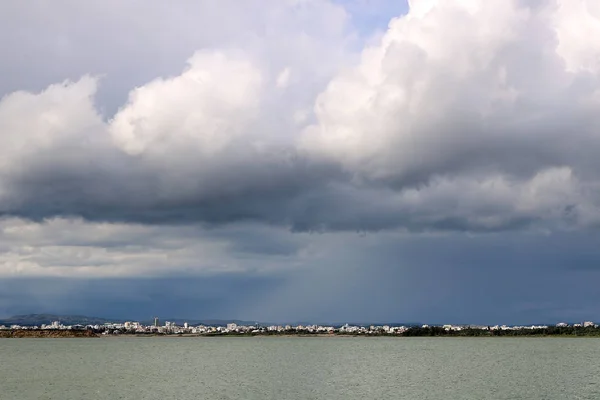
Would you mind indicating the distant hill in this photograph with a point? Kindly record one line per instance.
(39, 319)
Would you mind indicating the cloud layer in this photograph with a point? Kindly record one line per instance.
(464, 115)
(75, 248)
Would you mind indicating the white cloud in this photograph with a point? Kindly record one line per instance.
(463, 92)
(401, 106)
(61, 115)
(67, 247)
(205, 108)
(76, 248)
(149, 39)
(283, 79)
(577, 22)
(419, 8)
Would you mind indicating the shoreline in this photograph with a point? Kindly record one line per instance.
(76, 334)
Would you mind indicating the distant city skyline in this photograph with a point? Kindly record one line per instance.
(53, 319)
(89, 328)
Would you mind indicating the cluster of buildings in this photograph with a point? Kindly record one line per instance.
(586, 324)
(55, 325)
(232, 328)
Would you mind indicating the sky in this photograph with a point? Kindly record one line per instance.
(429, 161)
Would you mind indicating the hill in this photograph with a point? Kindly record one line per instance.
(39, 319)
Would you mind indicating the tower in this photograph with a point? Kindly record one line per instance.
(156, 322)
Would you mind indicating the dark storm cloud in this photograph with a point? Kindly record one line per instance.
(209, 297)
(125, 192)
(298, 195)
(491, 279)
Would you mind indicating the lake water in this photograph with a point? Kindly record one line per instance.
(300, 368)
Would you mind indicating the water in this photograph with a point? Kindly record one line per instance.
(300, 368)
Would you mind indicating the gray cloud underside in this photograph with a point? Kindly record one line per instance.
(295, 196)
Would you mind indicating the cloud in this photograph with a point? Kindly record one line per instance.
(469, 92)
(202, 110)
(55, 118)
(75, 248)
(517, 278)
(133, 42)
(464, 116)
(207, 297)
(576, 22)
(283, 78)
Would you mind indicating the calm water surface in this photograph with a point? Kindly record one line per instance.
(300, 368)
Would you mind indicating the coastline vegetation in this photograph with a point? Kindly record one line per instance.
(435, 331)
